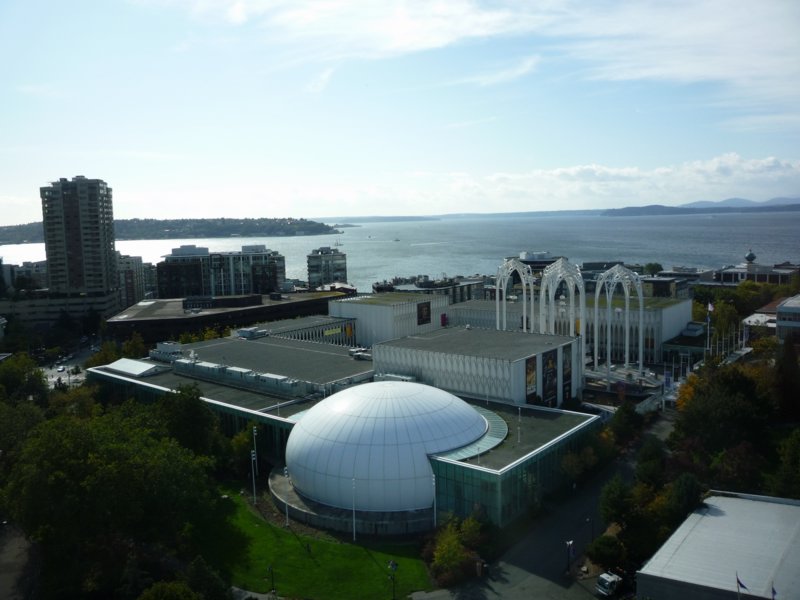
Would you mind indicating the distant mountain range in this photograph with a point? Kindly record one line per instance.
(741, 203)
(731, 205)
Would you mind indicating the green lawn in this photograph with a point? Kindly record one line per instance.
(331, 570)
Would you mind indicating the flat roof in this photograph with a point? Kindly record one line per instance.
(289, 325)
(530, 428)
(490, 343)
(306, 361)
(386, 298)
(756, 537)
(650, 303)
(172, 308)
(793, 302)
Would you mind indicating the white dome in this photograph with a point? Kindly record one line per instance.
(379, 434)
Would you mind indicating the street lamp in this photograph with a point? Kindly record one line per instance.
(272, 579)
(253, 472)
(393, 569)
(255, 448)
(286, 500)
(569, 554)
(434, 500)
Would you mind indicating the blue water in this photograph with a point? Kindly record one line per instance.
(478, 245)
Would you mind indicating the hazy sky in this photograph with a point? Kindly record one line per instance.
(276, 108)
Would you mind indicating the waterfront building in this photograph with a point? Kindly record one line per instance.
(750, 270)
(194, 271)
(78, 220)
(326, 265)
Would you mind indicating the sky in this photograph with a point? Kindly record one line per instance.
(325, 108)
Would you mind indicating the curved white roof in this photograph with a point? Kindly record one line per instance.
(379, 434)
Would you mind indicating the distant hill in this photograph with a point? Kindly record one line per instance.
(658, 209)
(161, 229)
(740, 203)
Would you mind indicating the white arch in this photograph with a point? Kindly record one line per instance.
(552, 276)
(618, 274)
(504, 274)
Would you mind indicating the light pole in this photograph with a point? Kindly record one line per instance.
(354, 509)
(272, 579)
(255, 448)
(393, 569)
(253, 472)
(569, 554)
(286, 500)
(434, 500)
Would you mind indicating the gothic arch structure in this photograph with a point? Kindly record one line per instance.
(618, 275)
(504, 276)
(552, 276)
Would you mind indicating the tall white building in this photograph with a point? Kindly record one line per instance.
(326, 265)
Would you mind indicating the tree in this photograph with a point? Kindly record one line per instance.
(615, 501)
(625, 423)
(22, 380)
(786, 480)
(134, 347)
(95, 491)
(188, 419)
(653, 268)
(449, 554)
(606, 551)
(787, 381)
(170, 590)
(682, 498)
(108, 354)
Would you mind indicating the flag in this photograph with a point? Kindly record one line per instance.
(710, 307)
(739, 583)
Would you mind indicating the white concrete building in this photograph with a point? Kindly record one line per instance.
(503, 366)
(391, 315)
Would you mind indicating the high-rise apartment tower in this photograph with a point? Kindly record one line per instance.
(79, 237)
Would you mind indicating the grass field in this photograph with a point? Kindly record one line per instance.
(317, 568)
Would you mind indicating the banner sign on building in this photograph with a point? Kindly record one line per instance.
(530, 379)
(550, 377)
(423, 313)
(566, 369)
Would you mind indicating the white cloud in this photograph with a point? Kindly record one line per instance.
(505, 75)
(751, 50)
(320, 82)
(593, 186)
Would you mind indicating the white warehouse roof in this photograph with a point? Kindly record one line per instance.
(380, 435)
(754, 537)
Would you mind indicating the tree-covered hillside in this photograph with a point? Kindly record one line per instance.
(155, 229)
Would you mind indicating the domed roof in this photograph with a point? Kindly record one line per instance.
(379, 434)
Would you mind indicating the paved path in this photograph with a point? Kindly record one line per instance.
(14, 549)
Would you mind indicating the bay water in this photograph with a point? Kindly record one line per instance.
(449, 246)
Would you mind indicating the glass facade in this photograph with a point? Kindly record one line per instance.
(503, 496)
